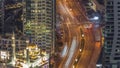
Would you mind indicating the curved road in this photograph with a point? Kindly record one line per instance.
(74, 18)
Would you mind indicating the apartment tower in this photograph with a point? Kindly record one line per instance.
(39, 22)
(111, 56)
(1, 15)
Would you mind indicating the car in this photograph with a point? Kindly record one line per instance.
(82, 35)
(80, 50)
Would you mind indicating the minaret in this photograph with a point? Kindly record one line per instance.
(27, 53)
(14, 52)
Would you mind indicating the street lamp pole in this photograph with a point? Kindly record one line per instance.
(27, 53)
(4, 63)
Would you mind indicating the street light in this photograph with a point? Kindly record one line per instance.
(95, 18)
(70, 9)
(76, 60)
(83, 35)
(80, 50)
(73, 66)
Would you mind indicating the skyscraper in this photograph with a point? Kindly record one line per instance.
(10, 17)
(39, 22)
(1, 15)
(112, 35)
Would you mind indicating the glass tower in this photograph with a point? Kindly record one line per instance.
(39, 22)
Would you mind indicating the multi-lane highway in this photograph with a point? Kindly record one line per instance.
(82, 50)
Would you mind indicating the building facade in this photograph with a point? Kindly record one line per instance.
(39, 22)
(111, 56)
(6, 45)
(10, 15)
(1, 15)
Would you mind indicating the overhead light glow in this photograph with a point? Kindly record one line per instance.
(96, 18)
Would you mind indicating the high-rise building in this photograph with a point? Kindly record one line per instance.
(111, 56)
(12, 17)
(39, 22)
(1, 15)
